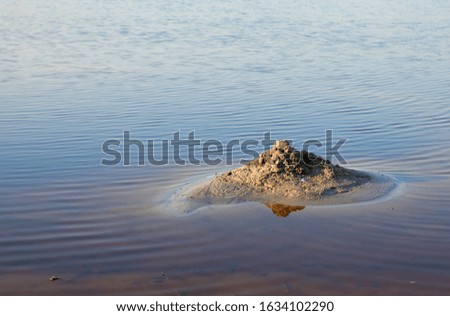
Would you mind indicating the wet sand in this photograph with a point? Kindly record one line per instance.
(281, 176)
(201, 192)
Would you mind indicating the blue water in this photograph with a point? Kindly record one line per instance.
(76, 73)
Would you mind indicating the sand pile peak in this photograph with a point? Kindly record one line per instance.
(283, 158)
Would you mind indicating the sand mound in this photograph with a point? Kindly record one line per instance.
(282, 172)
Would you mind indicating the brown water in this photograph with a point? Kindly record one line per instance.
(75, 75)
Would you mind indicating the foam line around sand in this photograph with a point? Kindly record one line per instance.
(288, 176)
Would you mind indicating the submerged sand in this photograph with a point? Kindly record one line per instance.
(282, 172)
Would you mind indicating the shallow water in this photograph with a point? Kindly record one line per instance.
(76, 74)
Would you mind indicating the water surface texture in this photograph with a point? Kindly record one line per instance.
(76, 73)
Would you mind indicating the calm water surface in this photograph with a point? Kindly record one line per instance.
(75, 74)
